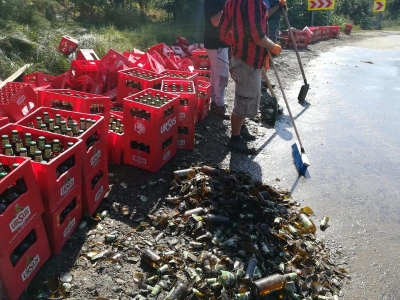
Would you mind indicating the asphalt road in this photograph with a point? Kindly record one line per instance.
(349, 129)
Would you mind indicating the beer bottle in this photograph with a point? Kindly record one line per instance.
(82, 124)
(30, 125)
(28, 139)
(38, 122)
(23, 152)
(51, 125)
(181, 290)
(69, 132)
(8, 150)
(20, 186)
(3, 196)
(43, 127)
(96, 179)
(14, 137)
(56, 146)
(32, 149)
(88, 123)
(58, 119)
(38, 156)
(70, 121)
(46, 117)
(75, 129)
(41, 143)
(271, 283)
(57, 129)
(47, 152)
(4, 140)
(63, 127)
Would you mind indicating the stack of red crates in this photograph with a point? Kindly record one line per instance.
(94, 151)
(115, 139)
(150, 134)
(59, 187)
(187, 109)
(24, 247)
(134, 80)
(200, 59)
(38, 79)
(17, 99)
(203, 99)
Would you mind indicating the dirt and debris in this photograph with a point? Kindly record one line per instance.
(103, 258)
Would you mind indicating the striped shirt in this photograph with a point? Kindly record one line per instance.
(243, 24)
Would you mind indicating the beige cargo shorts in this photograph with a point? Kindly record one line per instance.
(247, 88)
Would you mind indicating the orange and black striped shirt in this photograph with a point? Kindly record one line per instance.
(243, 24)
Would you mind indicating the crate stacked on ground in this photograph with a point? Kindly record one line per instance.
(316, 33)
(134, 80)
(115, 139)
(203, 74)
(181, 75)
(150, 129)
(24, 247)
(17, 99)
(57, 164)
(200, 59)
(109, 66)
(86, 127)
(187, 109)
(77, 102)
(203, 99)
(334, 31)
(301, 37)
(84, 76)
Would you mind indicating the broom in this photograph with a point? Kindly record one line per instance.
(299, 154)
(275, 101)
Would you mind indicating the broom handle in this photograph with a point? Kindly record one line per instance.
(287, 104)
(284, 12)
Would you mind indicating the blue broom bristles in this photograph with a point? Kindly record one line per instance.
(298, 161)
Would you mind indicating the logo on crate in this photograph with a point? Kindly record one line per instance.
(139, 127)
(182, 115)
(70, 226)
(21, 99)
(181, 142)
(95, 158)
(21, 216)
(168, 125)
(166, 155)
(99, 193)
(31, 264)
(139, 159)
(69, 183)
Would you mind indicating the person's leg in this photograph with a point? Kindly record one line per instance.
(219, 80)
(247, 101)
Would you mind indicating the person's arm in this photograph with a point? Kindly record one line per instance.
(216, 18)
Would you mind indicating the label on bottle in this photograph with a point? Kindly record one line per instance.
(22, 215)
(70, 226)
(31, 264)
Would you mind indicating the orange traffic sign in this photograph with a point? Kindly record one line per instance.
(379, 6)
(321, 4)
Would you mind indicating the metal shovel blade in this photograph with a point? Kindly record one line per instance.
(303, 92)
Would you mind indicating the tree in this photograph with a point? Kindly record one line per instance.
(393, 9)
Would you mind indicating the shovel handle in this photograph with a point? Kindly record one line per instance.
(264, 74)
(284, 13)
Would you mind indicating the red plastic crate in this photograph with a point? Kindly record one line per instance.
(187, 102)
(14, 279)
(86, 54)
(3, 121)
(117, 109)
(53, 190)
(203, 99)
(59, 81)
(115, 144)
(93, 194)
(113, 94)
(134, 80)
(113, 60)
(67, 45)
(203, 74)
(334, 31)
(17, 99)
(62, 224)
(38, 79)
(184, 75)
(158, 127)
(153, 159)
(186, 136)
(84, 67)
(91, 155)
(76, 101)
(200, 59)
(25, 209)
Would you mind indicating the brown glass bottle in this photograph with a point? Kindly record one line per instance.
(272, 283)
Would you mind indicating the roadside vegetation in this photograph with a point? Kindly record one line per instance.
(30, 30)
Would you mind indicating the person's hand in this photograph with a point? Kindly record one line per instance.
(282, 3)
(266, 62)
(276, 50)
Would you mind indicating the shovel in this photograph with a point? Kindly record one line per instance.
(304, 89)
(275, 101)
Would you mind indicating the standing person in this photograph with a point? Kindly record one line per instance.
(274, 17)
(243, 27)
(217, 52)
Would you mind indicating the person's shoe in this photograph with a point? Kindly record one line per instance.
(220, 110)
(245, 133)
(241, 146)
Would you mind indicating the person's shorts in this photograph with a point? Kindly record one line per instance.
(247, 88)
